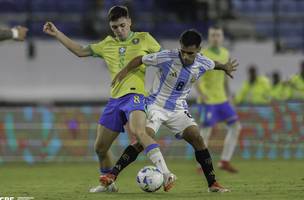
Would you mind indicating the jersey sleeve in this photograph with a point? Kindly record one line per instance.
(150, 59)
(205, 64)
(97, 49)
(156, 59)
(152, 45)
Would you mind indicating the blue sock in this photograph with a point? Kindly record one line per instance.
(151, 147)
(105, 170)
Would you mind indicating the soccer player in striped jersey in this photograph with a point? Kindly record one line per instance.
(166, 104)
(213, 98)
(127, 98)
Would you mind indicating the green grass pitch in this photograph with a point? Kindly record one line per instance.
(258, 179)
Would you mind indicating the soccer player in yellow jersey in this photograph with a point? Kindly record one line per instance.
(280, 90)
(212, 96)
(297, 84)
(127, 98)
(256, 90)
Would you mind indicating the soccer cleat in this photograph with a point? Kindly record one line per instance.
(101, 188)
(169, 180)
(216, 187)
(107, 179)
(225, 165)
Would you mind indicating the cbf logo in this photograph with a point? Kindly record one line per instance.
(122, 50)
(135, 41)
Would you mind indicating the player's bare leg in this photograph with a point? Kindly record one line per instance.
(137, 123)
(205, 132)
(132, 151)
(192, 136)
(229, 147)
(103, 142)
(129, 155)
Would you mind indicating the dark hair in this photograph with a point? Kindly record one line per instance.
(191, 37)
(117, 12)
(216, 27)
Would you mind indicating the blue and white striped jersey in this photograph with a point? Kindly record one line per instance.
(173, 80)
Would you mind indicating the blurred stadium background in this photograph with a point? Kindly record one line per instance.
(50, 100)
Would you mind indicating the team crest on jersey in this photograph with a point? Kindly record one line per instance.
(173, 74)
(135, 41)
(122, 50)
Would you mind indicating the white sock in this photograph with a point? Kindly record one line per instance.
(158, 160)
(206, 133)
(231, 141)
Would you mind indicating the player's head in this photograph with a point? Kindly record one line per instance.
(276, 78)
(252, 73)
(215, 36)
(120, 21)
(190, 41)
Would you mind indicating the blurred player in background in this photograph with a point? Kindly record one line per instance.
(167, 105)
(212, 95)
(127, 97)
(256, 90)
(280, 90)
(17, 33)
(297, 84)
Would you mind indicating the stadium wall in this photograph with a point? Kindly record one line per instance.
(56, 74)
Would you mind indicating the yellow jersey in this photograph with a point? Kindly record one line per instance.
(256, 93)
(117, 54)
(280, 92)
(212, 83)
(297, 87)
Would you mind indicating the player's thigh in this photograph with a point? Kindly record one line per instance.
(104, 138)
(156, 116)
(210, 115)
(179, 121)
(137, 122)
(228, 113)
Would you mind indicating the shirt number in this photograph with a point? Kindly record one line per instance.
(180, 85)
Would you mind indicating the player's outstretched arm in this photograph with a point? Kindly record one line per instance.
(132, 65)
(17, 33)
(228, 68)
(80, 51)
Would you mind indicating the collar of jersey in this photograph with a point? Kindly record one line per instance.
(215, 50)
(131, 33)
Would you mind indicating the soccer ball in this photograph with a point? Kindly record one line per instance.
(149, 179)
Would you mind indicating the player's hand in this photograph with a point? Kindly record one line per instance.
(118, 78)
(50, 29)
(231, 66)
(21, 33)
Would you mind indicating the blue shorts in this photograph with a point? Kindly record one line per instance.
(117, 111)
(215, 113)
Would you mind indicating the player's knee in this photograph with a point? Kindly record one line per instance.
(139, 132)
(236, 128)
(196, 140)
(100, 150)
